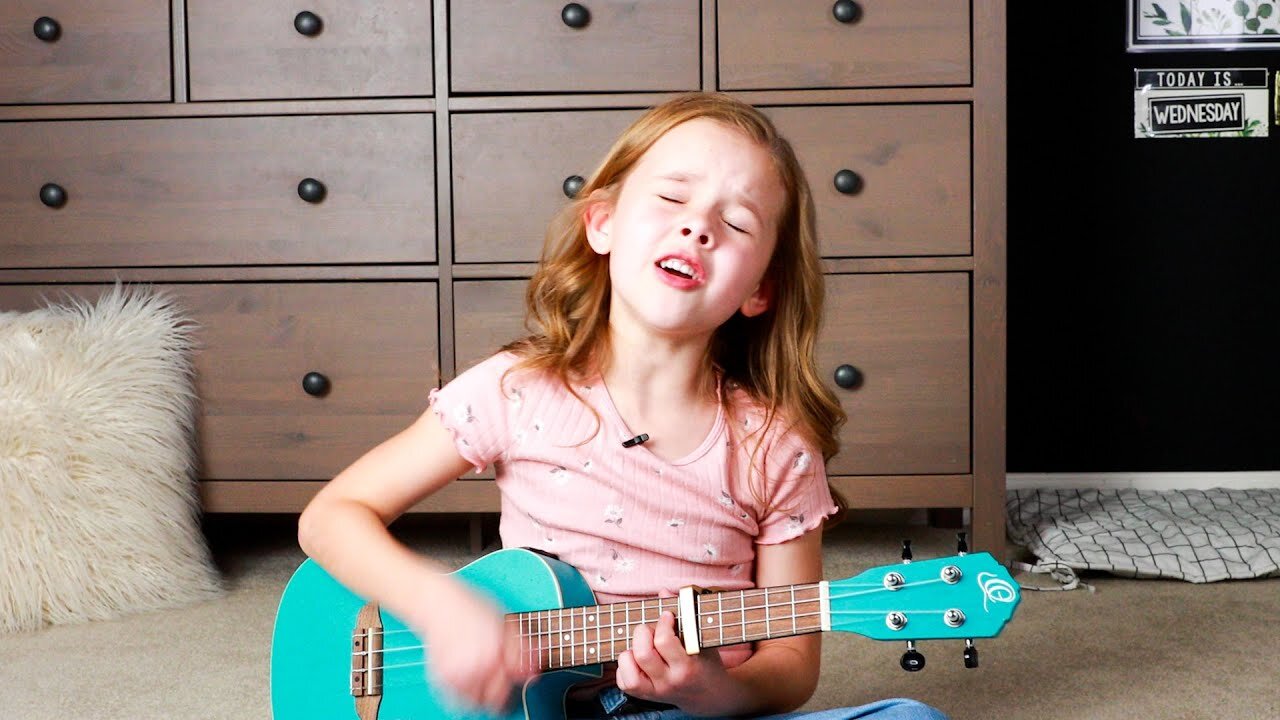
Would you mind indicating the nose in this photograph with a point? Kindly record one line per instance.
(703, 239)
(698, 223)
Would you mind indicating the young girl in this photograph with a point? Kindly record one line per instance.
(663, 426)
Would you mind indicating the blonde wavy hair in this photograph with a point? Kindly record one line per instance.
(770, 356)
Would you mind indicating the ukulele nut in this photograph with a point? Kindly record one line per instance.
(951, 574)
(895, 620)
(953, 618)
(894, 580)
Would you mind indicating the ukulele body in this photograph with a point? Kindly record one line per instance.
(312, 646)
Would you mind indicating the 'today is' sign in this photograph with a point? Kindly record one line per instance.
(1208, 102)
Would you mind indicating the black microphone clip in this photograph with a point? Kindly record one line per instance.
(635, 440)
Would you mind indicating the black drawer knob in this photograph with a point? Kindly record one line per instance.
(848, 182)
(847, 11)
(315, 384)
(47, 29)
(848, 377)
(53, 195)
(311, 190)
(575, 16)
(572, 186)
(308, 23)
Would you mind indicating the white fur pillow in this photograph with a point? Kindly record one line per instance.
(99, 514)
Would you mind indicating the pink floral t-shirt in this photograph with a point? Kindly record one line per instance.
(632, 523)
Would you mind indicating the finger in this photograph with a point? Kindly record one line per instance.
(468, 696)
(665, 640)
(497, 692)
(460, 683)
(630, 679)
(646, 656)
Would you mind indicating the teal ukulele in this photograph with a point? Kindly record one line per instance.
(335, 656)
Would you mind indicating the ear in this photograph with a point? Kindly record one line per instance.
(759, 300)
(598, 220)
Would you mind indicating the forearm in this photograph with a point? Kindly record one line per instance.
(344, 528)
(351, 542)
(779, 677)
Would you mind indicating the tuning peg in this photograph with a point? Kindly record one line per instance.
(970, 655)
(906, 551)
(912, 660)
(962, 545)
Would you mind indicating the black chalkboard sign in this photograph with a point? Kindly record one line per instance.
(1144, 274)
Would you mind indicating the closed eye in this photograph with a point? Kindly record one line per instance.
(735, 227)
(671, 199)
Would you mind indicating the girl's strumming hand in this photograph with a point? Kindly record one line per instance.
(474, 653)
(657, 668)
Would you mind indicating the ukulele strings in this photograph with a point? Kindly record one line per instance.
(873, 588)
(877, 614)
(747, 594)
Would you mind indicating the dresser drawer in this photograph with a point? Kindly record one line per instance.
(375, 343)
(103, 51)
(487, 315)
(887, 180)
(530, 46)
(218, 191)
(765, 44)
(242, 49)
(510, 171)
(908, 337)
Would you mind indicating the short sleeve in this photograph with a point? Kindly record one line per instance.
(799, 498)
(476, 411)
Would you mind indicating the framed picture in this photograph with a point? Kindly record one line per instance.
(1203, 24)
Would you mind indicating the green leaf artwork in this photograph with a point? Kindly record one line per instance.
(1209, 18)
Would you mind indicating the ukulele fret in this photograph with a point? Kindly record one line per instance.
(767, 621)
(792, 588)
(559, 637)
(573, 637)
(720, 615)
(544, 626)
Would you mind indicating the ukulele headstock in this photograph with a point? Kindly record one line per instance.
(958, 597)
(961, 597)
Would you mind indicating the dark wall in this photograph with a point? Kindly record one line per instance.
(1144, 274)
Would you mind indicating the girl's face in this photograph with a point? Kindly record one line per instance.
(691, 232)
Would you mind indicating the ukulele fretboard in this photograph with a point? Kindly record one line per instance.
(569, 637)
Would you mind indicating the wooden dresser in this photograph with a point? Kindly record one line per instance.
(349, 196)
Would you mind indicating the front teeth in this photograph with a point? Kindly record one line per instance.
(677, 265)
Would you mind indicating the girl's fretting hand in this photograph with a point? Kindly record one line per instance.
(658, 668)
(474, 653)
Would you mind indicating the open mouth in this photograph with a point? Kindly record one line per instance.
(678, 268)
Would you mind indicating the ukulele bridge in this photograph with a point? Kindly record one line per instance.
(366, 654)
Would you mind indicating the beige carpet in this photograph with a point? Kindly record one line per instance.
(1135, 649)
